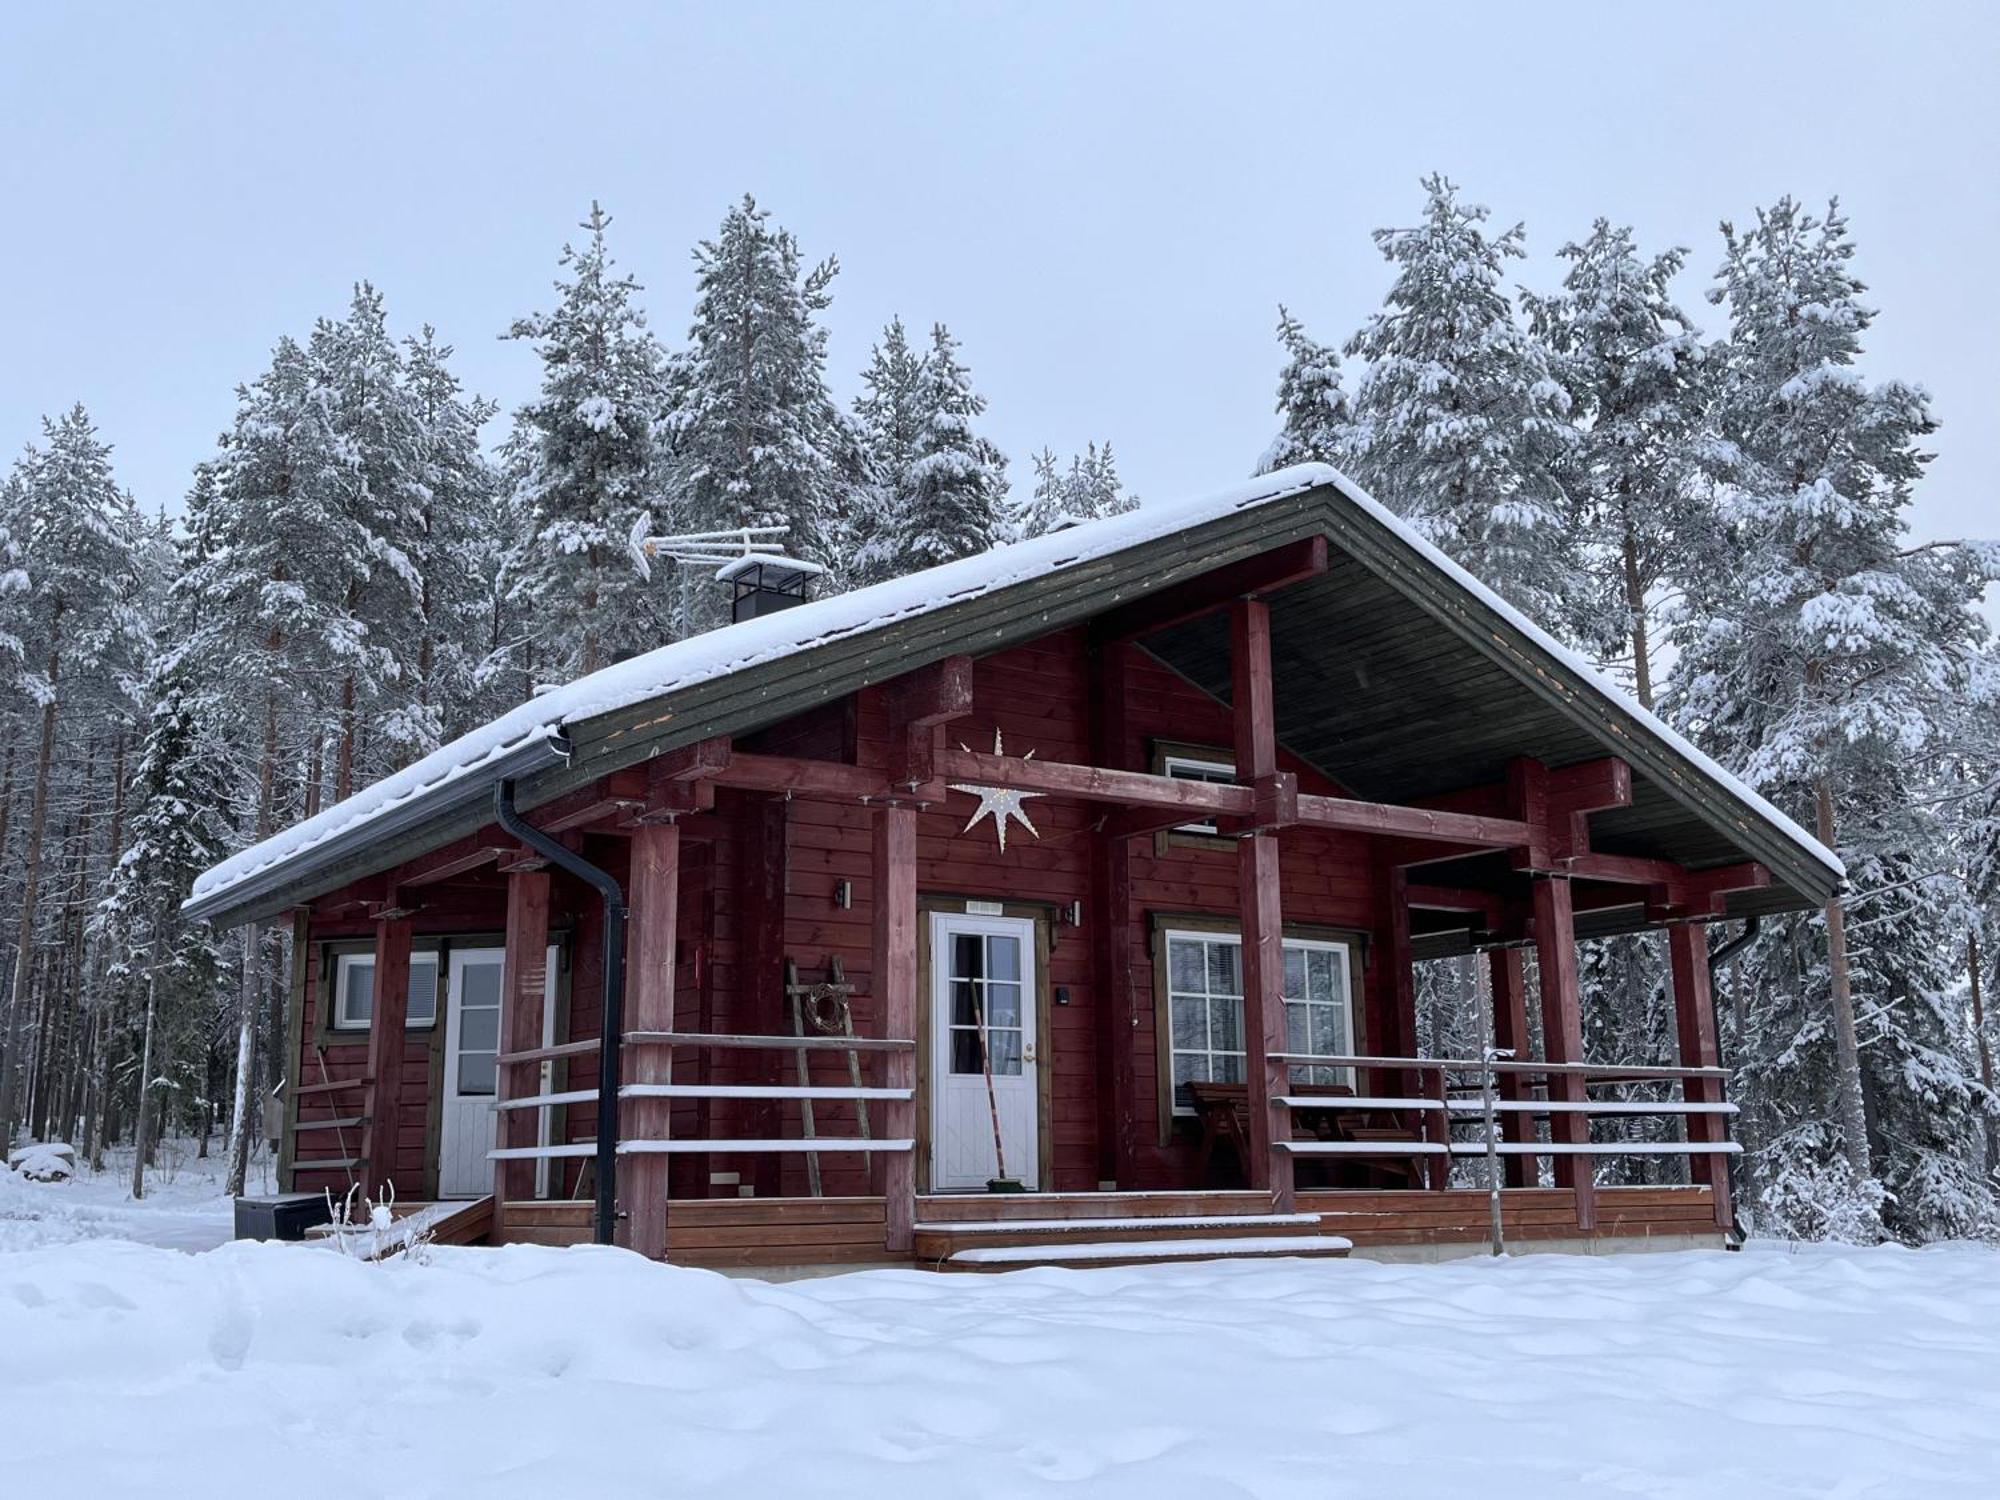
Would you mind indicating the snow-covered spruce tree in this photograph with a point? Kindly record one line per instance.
(1631, 362)
(453, 544)
(80, 632)
(1824, 654)
(1316, 416)
(1459, 423)
(583, 463)
(1088, 488)
(757, 439)
(889, 422)
(179, 822)
(954, 492)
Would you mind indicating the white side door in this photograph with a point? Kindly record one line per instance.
(471, 1065)
(983, 1013)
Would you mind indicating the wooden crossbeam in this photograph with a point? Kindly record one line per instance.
(1253, 577)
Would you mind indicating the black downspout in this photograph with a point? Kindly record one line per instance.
(613, 1020)
(1736, 944)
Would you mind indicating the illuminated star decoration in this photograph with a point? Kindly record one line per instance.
(1000, 803)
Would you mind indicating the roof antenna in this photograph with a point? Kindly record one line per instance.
(750, 560)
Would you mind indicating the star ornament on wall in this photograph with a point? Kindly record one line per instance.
(1001, 804)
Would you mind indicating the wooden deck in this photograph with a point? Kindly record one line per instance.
(748, 1233)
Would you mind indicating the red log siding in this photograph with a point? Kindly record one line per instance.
(1039, 697)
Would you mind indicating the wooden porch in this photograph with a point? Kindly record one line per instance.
(753, 1234)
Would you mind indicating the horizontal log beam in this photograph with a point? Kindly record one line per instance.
(1252, 577)
(1424, 823)
(1097, 784)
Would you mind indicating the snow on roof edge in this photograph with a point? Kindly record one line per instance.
(702, 658)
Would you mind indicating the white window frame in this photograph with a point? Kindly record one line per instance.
(343, 966)
(1198, 768)
(1343, 958)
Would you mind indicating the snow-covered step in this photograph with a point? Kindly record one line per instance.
(1144, 1252)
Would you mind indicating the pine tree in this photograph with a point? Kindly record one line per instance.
(180, 825)
(1459, 423)
(80, 631)
(1825, 655)
(1317, 418)
(955, 489)
(1631, 362)
(584, 464)
(1087, 489)
(757, 440)
(889, 420)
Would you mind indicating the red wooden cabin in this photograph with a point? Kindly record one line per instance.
(1273, 750)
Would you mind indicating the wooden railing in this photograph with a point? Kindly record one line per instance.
(1450, 1094)
(647, 1215)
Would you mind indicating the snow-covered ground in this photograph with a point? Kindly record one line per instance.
(252, 1369)
(184, 1208)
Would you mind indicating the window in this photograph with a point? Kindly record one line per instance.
(1192, 768)
(354, 991)
(1205, 1008)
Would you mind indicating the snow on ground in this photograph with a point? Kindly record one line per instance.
(128, 1370)
(184, 1208)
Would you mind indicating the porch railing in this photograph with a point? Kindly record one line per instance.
(1446, 1095)
(649, 1139)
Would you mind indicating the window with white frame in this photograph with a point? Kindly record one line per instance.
(1194, 768)
(1205, 1008)
(354, 991)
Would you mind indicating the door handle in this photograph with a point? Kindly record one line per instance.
(1028, 1053)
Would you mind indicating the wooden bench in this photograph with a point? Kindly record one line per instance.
(1224, 1112)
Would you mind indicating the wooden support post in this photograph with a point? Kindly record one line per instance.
(654, 896)
(1510, 1033)
(1562, 1037)
(1109, 937)
(765, 878)
(386, 1037)
(895, 984)
(1694, 1018)
(525, 981)
(1262, 906)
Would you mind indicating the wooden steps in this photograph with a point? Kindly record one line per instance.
(1144, 1250)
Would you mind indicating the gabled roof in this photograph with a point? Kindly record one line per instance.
(736, 679)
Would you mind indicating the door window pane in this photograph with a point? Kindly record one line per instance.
(476, 1072)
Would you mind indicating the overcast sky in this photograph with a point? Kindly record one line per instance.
(1106, 203)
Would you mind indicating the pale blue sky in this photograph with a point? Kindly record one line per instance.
(1106, 203)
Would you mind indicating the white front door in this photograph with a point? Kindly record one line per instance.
(471, 1059)
(983, 1066)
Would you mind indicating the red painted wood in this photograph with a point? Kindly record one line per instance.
(1562, 1035)
(1510, 1033)
(654, 895)
(1261, 903)
(386, 1047)
(1262, 574)
(1694, 1024)
(894, 977)
(525, 965)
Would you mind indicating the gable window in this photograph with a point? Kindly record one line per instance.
(1205, 1008)
(354, 991)
(1198, 768)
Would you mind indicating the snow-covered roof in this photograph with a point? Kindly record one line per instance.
(532, 734)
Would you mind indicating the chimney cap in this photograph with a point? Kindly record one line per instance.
(766, 569)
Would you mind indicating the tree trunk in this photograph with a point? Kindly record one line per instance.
(1985, 1047)
(1847, 1045)
(240, 1126)
(1635, 605)
(142, 1120)
(31, 884)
